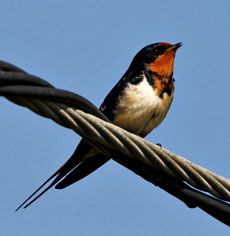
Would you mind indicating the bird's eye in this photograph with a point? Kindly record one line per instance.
(153, 53)
(159, 50)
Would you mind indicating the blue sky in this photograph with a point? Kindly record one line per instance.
(85, 47)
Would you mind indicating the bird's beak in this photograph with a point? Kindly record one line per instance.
(174, 47)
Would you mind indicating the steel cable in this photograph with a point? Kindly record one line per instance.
(72, 111)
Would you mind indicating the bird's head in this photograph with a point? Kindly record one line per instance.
(157, 57)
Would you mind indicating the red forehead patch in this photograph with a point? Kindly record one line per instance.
(165, 44)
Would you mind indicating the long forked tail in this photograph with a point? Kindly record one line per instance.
(73, 170)
(37, 190)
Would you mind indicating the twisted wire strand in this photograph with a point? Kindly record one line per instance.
(93, 128)
(72, 111)
(195, 176)
(131, 145)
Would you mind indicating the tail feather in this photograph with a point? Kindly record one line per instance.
(82, 170)
(37, 190)
(78, 173)
(70, 164)
(25, 204)
(76, 168)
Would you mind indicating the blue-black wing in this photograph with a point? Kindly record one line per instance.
(77, 166)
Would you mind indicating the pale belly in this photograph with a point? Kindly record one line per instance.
(140, 110)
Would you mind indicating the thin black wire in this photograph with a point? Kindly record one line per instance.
(15, 82)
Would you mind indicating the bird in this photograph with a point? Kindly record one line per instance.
(138, 103)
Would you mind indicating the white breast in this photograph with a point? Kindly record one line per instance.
(140, 110)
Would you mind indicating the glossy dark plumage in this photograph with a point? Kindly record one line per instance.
(142, 73)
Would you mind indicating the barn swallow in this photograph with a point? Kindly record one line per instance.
(138, 103)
